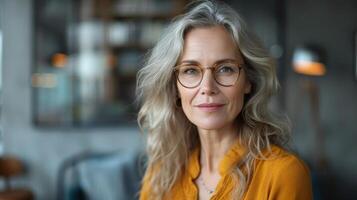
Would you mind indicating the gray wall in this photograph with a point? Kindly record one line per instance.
(41, 150)
(329, 24)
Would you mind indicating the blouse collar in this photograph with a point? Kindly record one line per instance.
(229, 160)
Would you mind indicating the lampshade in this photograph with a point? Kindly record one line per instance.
(308, 61)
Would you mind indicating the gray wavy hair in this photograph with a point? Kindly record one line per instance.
(170, 135)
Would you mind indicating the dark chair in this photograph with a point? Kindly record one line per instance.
(12, 167)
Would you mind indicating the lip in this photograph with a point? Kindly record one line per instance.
(210, 107)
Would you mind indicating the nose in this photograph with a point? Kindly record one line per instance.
(208, 84)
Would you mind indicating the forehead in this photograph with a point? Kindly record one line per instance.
(209, 44)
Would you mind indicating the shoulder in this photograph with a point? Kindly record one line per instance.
(279, 159)
(285, 174)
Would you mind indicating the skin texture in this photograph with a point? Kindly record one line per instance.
(216, 127)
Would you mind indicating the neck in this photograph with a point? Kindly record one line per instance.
(214, 145)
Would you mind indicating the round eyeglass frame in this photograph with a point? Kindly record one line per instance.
(214, 67)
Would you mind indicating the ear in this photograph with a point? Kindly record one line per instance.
(247, 87)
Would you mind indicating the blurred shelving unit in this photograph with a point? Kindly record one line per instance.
(130, 29)
(106, 41)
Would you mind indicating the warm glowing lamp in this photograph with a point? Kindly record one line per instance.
(59, 60)
(309, 62)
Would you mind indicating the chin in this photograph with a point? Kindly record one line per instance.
(211, 124)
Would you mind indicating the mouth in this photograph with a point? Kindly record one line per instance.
(210, 107)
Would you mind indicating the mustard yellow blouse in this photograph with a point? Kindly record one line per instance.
(282, 177)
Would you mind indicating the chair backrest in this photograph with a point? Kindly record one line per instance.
(113, 175)
(10, 167)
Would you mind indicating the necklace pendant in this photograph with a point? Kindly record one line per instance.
(210, 191)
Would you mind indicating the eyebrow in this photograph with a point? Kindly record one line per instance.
(217, 62)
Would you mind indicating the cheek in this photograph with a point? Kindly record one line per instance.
(186, 100)
(187, 96)
(236, 101)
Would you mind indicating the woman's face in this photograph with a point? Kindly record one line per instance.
(211, 106)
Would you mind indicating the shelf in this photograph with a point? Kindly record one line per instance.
(132, 46)
(108, 41)
(143, 16)
(130, 77)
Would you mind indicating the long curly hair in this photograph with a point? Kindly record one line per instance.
(171, 137)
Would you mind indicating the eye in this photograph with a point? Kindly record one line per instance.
(189, 70)
(226, 69)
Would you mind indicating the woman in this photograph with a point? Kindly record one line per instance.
(204, 92)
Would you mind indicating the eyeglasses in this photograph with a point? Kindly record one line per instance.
(190, 74)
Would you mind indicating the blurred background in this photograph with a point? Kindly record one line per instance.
(67, 100)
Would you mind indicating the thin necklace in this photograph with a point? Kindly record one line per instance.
(210, 191)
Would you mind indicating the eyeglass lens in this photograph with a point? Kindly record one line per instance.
(225, 74)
